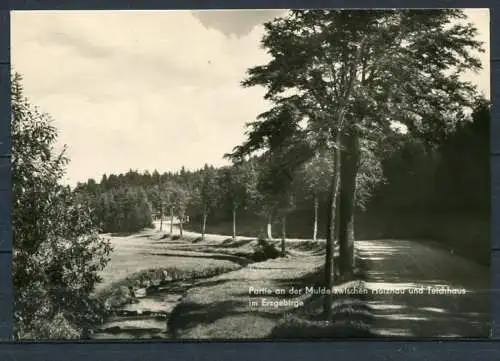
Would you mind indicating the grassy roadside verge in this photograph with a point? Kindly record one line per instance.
(351, 316)
(219, 307)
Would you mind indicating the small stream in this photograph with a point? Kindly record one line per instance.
(147, 317)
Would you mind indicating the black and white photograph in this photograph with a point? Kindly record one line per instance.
(251, 174)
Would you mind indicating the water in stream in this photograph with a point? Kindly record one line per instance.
(147, 318)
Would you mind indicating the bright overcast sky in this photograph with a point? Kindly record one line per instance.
(150, 90)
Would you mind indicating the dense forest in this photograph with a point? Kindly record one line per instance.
(438, 193)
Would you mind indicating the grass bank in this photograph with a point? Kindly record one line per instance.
(223, 307)
(351, 316)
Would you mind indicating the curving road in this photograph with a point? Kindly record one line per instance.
(418, 290)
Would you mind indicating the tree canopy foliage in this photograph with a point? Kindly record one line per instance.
(340, 80)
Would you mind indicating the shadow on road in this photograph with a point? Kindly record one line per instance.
(420, 291)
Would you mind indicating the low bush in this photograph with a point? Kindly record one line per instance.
(264, 251)
(57, 328)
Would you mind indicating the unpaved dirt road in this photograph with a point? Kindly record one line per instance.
(403, 267)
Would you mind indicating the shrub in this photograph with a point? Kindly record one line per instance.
(264, 251)
(57, 328)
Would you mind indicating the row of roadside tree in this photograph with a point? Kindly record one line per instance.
(255, 196)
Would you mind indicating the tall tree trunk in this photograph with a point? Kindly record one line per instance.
(350, 157)
(269, 227)
(331, 236)
(181, 221)
(234, 223)
(315, 227)
(333, 218)
(171, 220)
(204, 224)
(161, 219)
(283, 236)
